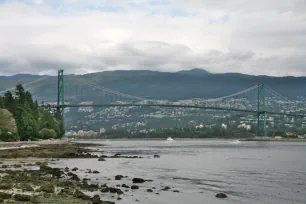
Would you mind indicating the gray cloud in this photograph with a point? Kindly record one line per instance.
(258, 37)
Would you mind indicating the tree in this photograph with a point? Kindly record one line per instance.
(9, 102)
(1, 102)
(29, 100)
(20, 94)
(47, 133)
(27, 125)
(49, 122)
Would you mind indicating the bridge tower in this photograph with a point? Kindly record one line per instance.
(261, 112)
(60, 95)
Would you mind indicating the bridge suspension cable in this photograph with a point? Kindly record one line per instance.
(110, 90)
(25, 85)
(235, 94)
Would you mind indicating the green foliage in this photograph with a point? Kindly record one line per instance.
(31, 121)
(47, 133)
(7, 136)
(47, 121)
(27, 124)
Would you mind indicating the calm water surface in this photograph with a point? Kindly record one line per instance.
(248, 172)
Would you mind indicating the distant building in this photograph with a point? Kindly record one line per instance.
(224, 126)
(244, 126)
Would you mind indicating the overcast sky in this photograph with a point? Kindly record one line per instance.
(82, 36)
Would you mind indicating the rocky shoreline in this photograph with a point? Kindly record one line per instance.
(26, 176)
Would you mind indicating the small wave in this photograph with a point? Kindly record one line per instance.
(235, 142)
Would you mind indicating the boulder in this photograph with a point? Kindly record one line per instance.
(101, 159)
(79, 194)
(20, 197)
(96, 199)
(48, 188)
(221, 195)
(156, 156)
(74, 169)
(138, 180)
(149, 190)
(26, 187)
(5, 195)
(118, 177)
(95, 172)
(134, 187)
(108, 202)
(104, 189)
(125, 186)
(166, 188)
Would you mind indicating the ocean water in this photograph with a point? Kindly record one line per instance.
(248, 172)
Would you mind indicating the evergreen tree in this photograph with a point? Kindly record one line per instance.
(29, 100)
(20, 95)
(1, 102)
(27, 124)
(9, 102)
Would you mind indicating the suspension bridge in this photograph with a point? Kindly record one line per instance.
(259, 100)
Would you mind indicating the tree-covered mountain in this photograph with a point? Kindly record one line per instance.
(158, 85)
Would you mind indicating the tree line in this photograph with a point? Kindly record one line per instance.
(31, 121)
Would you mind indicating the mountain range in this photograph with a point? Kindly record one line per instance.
(195, 83)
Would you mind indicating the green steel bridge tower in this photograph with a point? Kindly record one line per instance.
(60, 95)
(261, 112)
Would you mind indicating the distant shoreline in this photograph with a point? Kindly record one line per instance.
(201, 139)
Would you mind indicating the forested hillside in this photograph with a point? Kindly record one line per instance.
(29, 121)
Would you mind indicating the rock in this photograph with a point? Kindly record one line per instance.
(48, 188)
(115, 190)
(46, 168)
(5, 195)
(101, 159)
(95, 172)
(74, 169)
(96, 199)
(65, 191)
(108, 202)
(149, 190)
(91, 187)
(20, 197)
(176, 191)
(134, 187)
(221, 195)
(119, 191)
(4, 166)
(5, 186)
(26, 187)
(138, 180)
(79, 194)
(125, 186)
(104, 189)
(118, 177)
(73, 176)
(156, 156)
(166, 188)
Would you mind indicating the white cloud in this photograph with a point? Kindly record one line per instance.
(266, 37)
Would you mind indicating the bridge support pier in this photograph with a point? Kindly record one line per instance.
(60, 96)
(261, 112)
